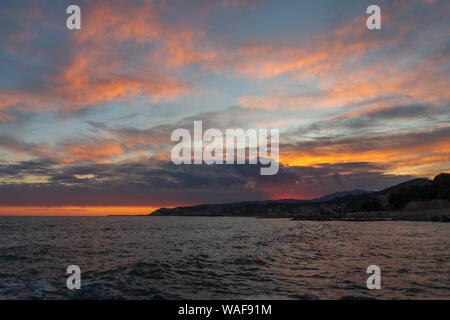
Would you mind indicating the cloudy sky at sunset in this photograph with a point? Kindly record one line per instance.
(86, 115)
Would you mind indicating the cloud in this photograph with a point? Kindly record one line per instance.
(372, 118)
(138, 48)
(162, 183)
(356, 108)
(355, 136)
(92, 67)
(414, 152)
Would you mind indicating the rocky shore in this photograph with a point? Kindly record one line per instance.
(429, 215)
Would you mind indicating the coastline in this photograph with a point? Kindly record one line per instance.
(432, 215)
(362, 216)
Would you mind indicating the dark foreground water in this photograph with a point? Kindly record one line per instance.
(221, 258)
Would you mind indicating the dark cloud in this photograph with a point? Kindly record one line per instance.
(371, 119)
(397, 113)
(380, 141)
(162, 183)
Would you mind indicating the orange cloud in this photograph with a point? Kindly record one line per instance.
(411, 153)
(96, 73)
(4, 117)
(424, 82)
(92, 151)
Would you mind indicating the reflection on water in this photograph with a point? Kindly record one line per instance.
(221, 258)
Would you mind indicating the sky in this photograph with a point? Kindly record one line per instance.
(86, 115)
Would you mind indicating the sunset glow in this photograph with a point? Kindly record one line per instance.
(75, 211)
(86, 115)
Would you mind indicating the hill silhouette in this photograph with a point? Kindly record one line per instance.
(417, 199)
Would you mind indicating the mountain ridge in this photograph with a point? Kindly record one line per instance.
(340, 205)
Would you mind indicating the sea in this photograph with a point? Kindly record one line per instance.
(142, 257)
